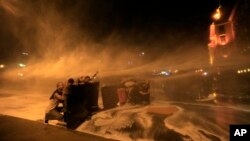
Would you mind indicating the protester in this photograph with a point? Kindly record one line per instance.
(137, 92)
(80, 80)
(144, 92)
(53, 111)
(87, 79)
(68, 89)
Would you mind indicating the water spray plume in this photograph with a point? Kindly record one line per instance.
(9, 6)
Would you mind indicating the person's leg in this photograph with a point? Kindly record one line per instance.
(60, 109)
(46, 120)
(53, 115)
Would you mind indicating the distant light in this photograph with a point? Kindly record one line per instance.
(130, 62)
(225, 56)
(238, 71)
(20, 74)
(205, 73)
(22, 65)
(176, 71)
(214, 94)
(211, 59)
(248, 70)
(25, 53)
(2, 66)
(245, 70)
(142, 54)
(164, 73)
(199, 70)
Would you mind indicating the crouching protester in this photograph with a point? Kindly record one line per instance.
(67, 90)
(53, 111)
(144, 92)
(138, 92)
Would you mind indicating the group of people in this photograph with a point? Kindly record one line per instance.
(57, 108)
(129, 91)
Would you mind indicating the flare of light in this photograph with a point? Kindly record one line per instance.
(217, 14)
(2, 66)
(205, 73)
(211, 60)
(8, 6)
(225, 56)
(164, 73)
(22, 65)
(214, 94)
(25, 53)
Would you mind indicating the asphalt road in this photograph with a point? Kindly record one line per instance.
(17, 129)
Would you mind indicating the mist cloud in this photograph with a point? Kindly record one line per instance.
(63, 39)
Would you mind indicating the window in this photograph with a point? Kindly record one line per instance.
(222, 29)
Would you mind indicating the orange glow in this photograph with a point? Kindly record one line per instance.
(2, 66)
(217, 14)
(211, 56)
(212, 36)
(223, 43)
(212, 44)
(223, 39)
(225, 56)
(211, 60)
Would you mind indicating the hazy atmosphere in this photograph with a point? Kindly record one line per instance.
(71, 38)
(43, 42)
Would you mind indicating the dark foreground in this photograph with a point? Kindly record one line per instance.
(17, 129)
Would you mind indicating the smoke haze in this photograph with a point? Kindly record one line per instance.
(62, 45)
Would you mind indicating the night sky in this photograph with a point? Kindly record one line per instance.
(150, 18)
(132, 22)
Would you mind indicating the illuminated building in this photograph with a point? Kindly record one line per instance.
(222, 32)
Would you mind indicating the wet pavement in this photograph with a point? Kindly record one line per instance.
(17, 129)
